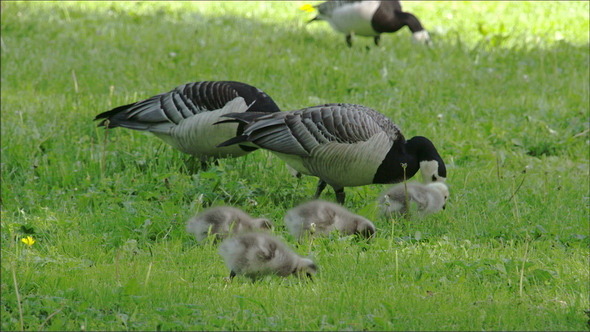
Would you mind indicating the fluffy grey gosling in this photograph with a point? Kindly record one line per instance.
(258, 254)
(222, 221)
(429, 198)
(321, 217)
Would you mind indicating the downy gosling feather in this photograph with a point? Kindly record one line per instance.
(222, 221)
(321, 217)
(255, 255)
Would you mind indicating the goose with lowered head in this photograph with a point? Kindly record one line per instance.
(184, 116)
(368, 18)
(344, 145)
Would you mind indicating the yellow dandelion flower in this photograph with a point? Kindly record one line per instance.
(28, 240)
(307, 8)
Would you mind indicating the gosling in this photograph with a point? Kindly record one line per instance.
(256, 255)
(222, 221)
(321, 217)
(429, 198)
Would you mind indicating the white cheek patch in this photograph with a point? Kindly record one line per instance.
(429, 169)
(421, 37)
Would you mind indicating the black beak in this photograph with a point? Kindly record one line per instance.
(309, 276)
(444, 206)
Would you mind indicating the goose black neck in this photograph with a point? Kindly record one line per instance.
(423, 150)
(386, 17)
(411, 21)
(410, 153)
(391, 169)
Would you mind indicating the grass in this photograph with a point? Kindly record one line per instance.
(503, 94)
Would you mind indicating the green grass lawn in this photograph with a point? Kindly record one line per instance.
(503, 94)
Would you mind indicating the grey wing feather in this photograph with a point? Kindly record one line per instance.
(166, 110)
(299, 132)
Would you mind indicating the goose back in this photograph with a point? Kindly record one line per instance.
(184, 117)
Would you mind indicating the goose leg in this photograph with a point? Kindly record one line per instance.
(206, 163)
(377, 39)
(192, 165)
(340, 196)
(321, 186)
(349, 40)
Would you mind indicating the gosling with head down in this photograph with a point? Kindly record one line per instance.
(222, 221)
(321, 217)
(256, 255)
(429, 198)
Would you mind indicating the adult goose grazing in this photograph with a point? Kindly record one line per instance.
(184, 117)
(344, 145)
(368, 18)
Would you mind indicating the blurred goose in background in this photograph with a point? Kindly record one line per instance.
(184, 116)
(368, 18)
(321, 217)
(344, 145)
(222, 221)
(258, 254)
(429, 198)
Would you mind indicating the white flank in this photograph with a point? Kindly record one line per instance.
(342, 164)
(348, 165)
(199, 136)
(355, 18)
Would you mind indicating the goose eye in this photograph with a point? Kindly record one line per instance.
(433, 178)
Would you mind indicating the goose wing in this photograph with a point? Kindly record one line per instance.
(299, 132)
(161, 112)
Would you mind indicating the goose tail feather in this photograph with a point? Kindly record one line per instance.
(112, 117)
(232, 141)
(245, 117)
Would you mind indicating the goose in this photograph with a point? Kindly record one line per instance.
(222, 221)
(258, 254)
(344, 145)
(321, 217)
(368, 18)
(430, 198)
(183, 117)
